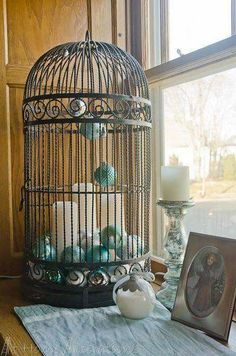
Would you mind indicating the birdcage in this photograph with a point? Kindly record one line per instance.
(87, 170)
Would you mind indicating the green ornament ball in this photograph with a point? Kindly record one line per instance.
(105, 175)
(98, 254)
(73, 254)
(43, 249)
(92, 131)
(54, 276)
(111, 236)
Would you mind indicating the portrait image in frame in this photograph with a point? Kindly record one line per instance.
(207, 288)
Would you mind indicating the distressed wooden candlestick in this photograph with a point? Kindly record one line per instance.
(175, 244)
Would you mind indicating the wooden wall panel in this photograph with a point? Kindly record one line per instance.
(35, 26)
(17, 167)
(101, 20)
(28, 28)
(121, 24)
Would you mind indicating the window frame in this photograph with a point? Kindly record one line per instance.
(214, 58)
(158, 135)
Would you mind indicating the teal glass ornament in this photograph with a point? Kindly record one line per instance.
(54, 276)
(43, 249)
(92, 131)
(73, 254)
(46, 237)
(111, 236)
(94, 253)
(105, 175)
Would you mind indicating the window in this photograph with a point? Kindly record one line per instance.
(179, 27)
(196, 24)
(200, 132)
(194, 109)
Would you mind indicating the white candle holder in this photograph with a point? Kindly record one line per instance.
(175, 244)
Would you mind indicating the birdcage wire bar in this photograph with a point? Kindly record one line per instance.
(87, 172)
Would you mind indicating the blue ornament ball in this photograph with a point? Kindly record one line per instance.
(105, 175)
(92, 131)
(95, 252)
(111, 236)
(43, 249)
(73, 254)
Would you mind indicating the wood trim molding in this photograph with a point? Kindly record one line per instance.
(137, 19)
(128, 25)
(233, 17)
(164, 29)
(134, 13)
(16, 75)
(114, 21)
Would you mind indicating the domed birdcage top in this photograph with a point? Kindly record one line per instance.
(86, 70)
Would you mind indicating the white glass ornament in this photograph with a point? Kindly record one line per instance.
(77, 107)
(116, 272)
(134, 295)
(86, 241)
(76, 278)
(36, 271)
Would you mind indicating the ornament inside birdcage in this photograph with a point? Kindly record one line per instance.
(87, 129)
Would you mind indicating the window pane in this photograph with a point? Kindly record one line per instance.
(194, 24)
(200, 131)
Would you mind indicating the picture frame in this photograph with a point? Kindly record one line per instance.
(206, 291)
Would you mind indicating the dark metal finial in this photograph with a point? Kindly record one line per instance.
(87, 36)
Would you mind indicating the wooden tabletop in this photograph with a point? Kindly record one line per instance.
(14, 339)
(13, 336)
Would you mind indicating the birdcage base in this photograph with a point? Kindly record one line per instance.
(87, 297)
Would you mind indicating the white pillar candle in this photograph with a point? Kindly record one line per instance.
(87, 206)
(64, 224)
(108, 211)
(175, 183)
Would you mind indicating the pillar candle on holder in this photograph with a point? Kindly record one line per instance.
(175, 183)
(87, 206)
(64, 224)
(108, 211)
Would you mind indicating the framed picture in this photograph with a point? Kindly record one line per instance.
(207, 288)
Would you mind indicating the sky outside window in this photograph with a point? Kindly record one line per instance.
(194, 24)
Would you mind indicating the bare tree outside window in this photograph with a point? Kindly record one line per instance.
(200, 131)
